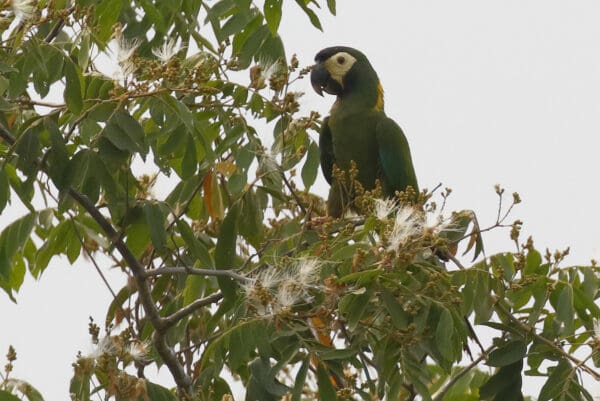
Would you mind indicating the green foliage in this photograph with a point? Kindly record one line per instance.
(14, 389)
(235, 269)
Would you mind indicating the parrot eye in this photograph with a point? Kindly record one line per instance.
(341, 60)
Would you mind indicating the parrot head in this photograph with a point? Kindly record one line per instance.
(339, 70)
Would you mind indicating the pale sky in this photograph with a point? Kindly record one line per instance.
(487, 93)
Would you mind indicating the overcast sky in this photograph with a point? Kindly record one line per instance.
(487, 93)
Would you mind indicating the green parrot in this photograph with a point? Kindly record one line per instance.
(358, 130)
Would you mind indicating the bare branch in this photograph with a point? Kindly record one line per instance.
(191, 308)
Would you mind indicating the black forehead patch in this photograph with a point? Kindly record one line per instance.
(330, 51)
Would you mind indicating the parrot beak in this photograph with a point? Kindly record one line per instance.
(321, 81)
(319, 77)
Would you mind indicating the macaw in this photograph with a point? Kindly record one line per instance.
(358, 130)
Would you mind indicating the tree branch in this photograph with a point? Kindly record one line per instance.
(531, 330)
(29, 102)
(58, 27)
(439, 395)
(293, 192)
(191, 308)
(199, 272)
(183, 381)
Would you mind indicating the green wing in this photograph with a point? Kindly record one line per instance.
(394, 157)
(326, 149)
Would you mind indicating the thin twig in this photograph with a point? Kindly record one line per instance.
(91, 257)
(439, 395)
(30, 102)
(191, 308)
(293, 192)
(199, 272)
(481, 231)
(531, 330)
(58, 27)
(454, 260)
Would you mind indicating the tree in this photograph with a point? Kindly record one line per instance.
(234, 270)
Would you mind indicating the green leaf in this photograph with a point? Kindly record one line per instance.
(154, 15)
(182, 113)
(189, 162)
(263, 386)
(564, 308)
(18, 271)
(83, 56)
(354, 307)
(194, 286)
(590, 281)
(80, 384)
(399, 317)
(73, 88)
(117, 304)
(159, 393)
(443, 334)
(30, 392)
(126, 133)
(29, 150)
(504, 263)
(225, 250)
(236, 23)
(8, 396)
(504, 385)
(483, 305)
(272, 11)
(325, 387)
(56, 243)
(335, 354)
(508, 354)
(251, 219)
(24, 189)
(532, 262)
(331, 6)
(252, 47)
(4, 189)
(314, 19)
(559, 383)
(415, 373)
(138, 237)
(221, 8)
(311, 166)
(196, 247)
(107, 13)
(12, 240)
(155, 218)
(256, 103)
(300, 379)
(81, 173)
(57, 157)
(272, 50)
